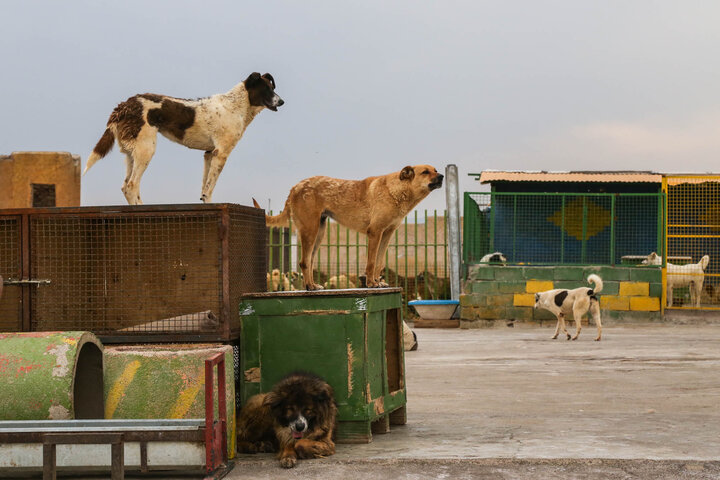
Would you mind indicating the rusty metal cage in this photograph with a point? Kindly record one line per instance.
(131, 274)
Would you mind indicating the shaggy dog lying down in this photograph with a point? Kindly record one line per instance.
(296, 419)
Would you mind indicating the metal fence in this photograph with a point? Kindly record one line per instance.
(415, 259)
(693, 233)
(563, 228)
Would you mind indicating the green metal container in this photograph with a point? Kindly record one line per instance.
(352, 338)
(50, 376)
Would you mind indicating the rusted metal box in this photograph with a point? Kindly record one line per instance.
(154, 273)
(351, 338)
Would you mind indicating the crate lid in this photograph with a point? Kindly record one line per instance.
(334, 292)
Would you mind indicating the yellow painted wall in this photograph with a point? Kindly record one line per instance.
(19, 170)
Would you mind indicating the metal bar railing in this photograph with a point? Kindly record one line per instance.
(415, 259)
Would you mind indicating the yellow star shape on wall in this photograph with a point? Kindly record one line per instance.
(598, 219)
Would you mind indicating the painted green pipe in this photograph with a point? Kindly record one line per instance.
(165, 381)
(50, 376)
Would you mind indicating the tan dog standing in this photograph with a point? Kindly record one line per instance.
(374, 206)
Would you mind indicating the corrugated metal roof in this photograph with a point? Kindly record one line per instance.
(678, 179)
(488, 176)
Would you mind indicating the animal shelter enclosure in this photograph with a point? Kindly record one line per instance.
(144, 273)
(693, 231)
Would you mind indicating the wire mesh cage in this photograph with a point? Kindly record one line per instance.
(693, 241)
(562, 228)
(155, 273)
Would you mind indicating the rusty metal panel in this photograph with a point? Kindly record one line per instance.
(10, 268)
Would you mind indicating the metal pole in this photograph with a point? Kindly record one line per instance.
(452, 197)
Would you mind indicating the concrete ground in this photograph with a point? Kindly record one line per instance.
(512, 403)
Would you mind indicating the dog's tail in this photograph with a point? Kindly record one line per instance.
(281, 220)
(704, 262)
(592, 278)
(102, 148)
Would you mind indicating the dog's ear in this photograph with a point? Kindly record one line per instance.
(272, 400)
(407, 173)
(252, 79)
(270, 77)
(325, 395)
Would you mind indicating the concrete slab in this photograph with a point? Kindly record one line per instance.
(482, 402)
(510, 403)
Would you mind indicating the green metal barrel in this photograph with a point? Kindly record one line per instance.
(50, 376)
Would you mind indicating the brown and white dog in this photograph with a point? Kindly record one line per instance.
(374, 206)
(577, 301)
(214, 124)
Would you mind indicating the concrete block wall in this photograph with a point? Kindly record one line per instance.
(497, 294)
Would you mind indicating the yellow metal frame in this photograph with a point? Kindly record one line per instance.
(663, 297)
(668, 182)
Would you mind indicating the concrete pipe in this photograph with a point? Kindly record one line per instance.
(164, 381)
(50, 376)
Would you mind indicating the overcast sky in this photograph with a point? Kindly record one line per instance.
(370, 87)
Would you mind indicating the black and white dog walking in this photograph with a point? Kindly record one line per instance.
(214, 124)
(578, 301)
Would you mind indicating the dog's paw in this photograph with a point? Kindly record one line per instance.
(311, 449)
(288, 462)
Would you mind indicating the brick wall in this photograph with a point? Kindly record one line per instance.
(495, 294)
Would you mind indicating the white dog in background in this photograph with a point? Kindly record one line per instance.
(691, 275)
(578, 301)
(493, 258)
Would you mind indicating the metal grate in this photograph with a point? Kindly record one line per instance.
(693, 233)
(10, 268)
(160, 273)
